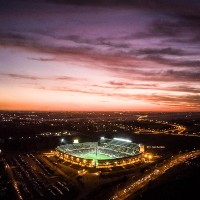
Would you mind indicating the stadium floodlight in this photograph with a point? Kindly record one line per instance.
(76, 141)
(62, 140)
(121, 139)
(102, 138)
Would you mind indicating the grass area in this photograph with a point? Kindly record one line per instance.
(95, 156)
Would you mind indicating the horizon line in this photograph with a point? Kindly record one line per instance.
(2, 110)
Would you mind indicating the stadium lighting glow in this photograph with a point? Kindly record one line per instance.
(92, 155)
(62, 140)
(76, 141)
(121, 139)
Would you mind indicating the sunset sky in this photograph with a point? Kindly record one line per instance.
(117, 55)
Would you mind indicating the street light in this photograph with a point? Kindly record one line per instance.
(150, 157)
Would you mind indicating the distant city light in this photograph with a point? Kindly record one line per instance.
(102, 138)
(121, 139)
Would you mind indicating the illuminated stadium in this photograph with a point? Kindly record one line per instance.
(105, 153)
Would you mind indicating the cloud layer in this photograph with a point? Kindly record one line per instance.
(113, 51)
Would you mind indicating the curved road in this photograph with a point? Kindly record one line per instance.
(153, 174)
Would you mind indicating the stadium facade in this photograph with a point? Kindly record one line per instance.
(101, 154)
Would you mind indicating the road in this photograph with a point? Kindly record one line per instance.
(176, 129)
(14, 182)
(153, 174)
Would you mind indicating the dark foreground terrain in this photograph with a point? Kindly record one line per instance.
(182, 182)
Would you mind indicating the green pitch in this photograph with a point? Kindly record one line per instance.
(95, 157)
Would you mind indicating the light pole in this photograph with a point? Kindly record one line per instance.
(96, 156)
(118, 187)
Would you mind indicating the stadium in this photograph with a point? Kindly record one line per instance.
(101, 154)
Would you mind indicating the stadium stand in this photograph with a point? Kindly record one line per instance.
(117, 149)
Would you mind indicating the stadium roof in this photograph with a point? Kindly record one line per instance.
(121, 139)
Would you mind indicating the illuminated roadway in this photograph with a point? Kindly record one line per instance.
(14, 182)
(153, 174)
(177, 128)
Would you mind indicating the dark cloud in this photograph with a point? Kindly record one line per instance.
(30, 77)
(186, 100)
(183, 75)
(16, 39)
(84, 53)
(88, 53)
(173, 62)
(160, 51)
(102, 41)
(35, 44)
(183, 88)
(125, 65)
(175, 29)
(172, 75)
(178, 26)
(128, 85)
(164, 29)
(21, 76)
(157, 75)
(67, 78)
(43, 59)
(162, 4)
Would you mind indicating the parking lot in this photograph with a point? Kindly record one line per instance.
(32, 179)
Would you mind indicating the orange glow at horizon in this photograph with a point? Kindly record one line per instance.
(107, 107)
